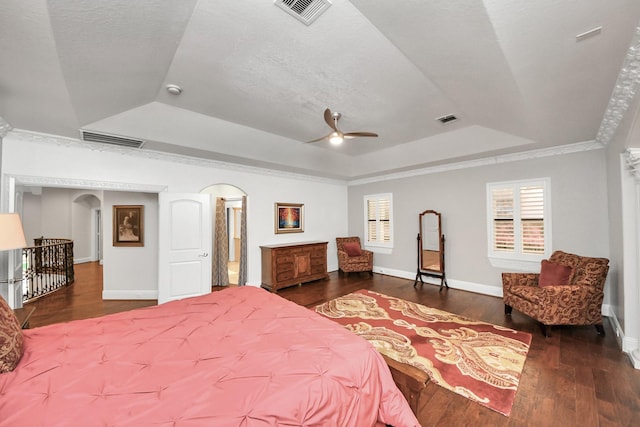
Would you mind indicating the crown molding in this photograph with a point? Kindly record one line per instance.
(88, 184)
(623, 92)
(487, 161)
(40, 138)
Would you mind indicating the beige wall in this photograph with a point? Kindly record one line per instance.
(579, 212)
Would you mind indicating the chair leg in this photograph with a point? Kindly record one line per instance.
(508, 309)
(600, 329)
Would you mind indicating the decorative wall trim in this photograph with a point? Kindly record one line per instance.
(5, 127)
(623, 92)
(632, 160)
(506, 158)
(40, 138)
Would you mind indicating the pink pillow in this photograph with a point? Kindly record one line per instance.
(552, 273)
(352, 248)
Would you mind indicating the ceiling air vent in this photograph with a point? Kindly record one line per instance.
(103, 138)
(447, 119)
(306, 11)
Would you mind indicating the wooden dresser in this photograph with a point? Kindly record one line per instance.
(293, 264)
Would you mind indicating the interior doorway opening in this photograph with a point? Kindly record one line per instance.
(229, 247)
(233, 208)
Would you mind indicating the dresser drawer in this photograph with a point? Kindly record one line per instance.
(285, 266)
(318, 261)
(284, 259)
(283, 276)
(318, 254)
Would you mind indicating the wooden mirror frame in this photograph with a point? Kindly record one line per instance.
(431, 259)
(426, 265)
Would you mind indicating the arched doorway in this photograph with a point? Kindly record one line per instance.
(229, 239)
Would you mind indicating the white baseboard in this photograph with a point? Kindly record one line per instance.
(629, 345)
(635, 358)
(139, 294)
(453, 283)
(394, 273)
(607, 311)
(83, 260)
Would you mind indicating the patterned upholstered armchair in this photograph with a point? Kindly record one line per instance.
(578, 302)
(351, 256)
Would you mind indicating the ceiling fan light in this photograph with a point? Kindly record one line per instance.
(336, 138)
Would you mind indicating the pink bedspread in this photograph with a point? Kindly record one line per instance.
(237, 357)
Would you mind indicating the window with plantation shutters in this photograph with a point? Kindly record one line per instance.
(519, 219)
(378, 214)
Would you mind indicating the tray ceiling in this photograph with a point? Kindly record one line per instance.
(255, 80)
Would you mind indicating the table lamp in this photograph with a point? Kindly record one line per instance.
(11, 232)
(11, 237)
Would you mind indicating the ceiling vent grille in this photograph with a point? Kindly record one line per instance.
(306, 11)
(447, 119)
(103, 138)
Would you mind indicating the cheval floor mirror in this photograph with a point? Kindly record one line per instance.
(430, 248)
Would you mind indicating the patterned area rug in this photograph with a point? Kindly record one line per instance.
(480, 361)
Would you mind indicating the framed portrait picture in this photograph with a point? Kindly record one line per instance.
(128, 225)
(289, 218)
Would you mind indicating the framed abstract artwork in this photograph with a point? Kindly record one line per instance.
(128, 225)
(289, 218)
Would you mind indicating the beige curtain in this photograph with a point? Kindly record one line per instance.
(220, 272)
(242, 275)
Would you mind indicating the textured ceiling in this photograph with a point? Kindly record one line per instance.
(256, 81)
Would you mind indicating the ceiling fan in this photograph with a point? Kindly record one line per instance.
(337, 136)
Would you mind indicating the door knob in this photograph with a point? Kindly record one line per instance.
(204, 255)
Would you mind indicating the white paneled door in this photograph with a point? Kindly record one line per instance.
(184, 242)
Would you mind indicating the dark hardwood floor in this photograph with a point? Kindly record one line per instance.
(81, 300)
(573, 378)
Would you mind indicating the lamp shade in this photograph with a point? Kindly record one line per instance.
(11, 232)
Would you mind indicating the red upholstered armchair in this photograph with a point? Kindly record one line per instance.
(351, 256)
(578, 302)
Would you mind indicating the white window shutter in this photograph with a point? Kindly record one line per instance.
(503, 219)
(532, 219)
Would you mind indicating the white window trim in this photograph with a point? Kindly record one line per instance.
(380, 247)
(517, 260)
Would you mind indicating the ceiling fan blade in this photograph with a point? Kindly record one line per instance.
(328, 117)
(350, 135)
(316, 140)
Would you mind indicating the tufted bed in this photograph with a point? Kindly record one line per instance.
(236, 357)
